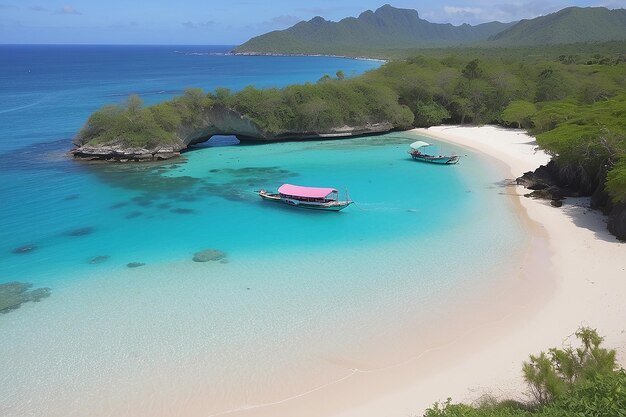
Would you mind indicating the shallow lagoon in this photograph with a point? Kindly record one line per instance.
(302, 299)
(301, 295)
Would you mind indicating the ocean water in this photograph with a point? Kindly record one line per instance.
(299, 292)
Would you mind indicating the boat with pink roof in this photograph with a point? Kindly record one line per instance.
(307, 197)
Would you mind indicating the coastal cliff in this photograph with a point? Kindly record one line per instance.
(328, 109)
(216, 120)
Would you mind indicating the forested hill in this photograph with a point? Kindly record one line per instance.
(386, 28)
(570, 25)
(391, 29)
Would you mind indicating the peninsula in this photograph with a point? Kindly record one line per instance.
(571, 97)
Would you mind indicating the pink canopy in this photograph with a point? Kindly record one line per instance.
(311, 192)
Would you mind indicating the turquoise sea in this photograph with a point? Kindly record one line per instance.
(298, 291)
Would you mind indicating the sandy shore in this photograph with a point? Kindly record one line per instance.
(588, 264)
(572, 275)
(582, 284)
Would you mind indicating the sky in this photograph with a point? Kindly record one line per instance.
(210, 22)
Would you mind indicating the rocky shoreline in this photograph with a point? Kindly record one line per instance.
(120, 153)
(554, 183)
(218, 120)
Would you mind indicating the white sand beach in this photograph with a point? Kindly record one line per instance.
(164, 350)
(572, 276)
(587, 263)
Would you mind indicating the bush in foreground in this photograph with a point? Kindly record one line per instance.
(570, 382)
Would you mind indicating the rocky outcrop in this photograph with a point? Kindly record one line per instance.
(122, 153)
(545, 183)
(209, 255)
(554, 183)
(218, 120)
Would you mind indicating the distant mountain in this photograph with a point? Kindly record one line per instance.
(570, 25)
(386, 28)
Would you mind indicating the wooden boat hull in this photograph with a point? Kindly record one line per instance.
(441, 160)
(328, 206)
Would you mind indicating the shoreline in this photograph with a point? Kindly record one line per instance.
(475, 345)
(571, 291)
(358, 58)
(586, 260)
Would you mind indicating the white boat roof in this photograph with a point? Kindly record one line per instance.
(419, 144)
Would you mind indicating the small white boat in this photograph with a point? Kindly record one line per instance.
(418, 153)
(307, 197)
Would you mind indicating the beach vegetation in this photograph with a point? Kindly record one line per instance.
(572, 381)
(519, 113)
(571, 97)
(131, 124)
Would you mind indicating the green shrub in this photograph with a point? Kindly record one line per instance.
(581, 381)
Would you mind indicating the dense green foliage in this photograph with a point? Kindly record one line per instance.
(582, 381)
(389, 29)
(133, 125)
(314, 107)
(330, 103)
(573, 98)
(575, 104)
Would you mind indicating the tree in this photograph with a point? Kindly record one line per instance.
(429, 114)
(472, 71)
(222, 93)
(552, 375)
(519, 112)
(461, 107)
(133, 104)
(550, 86)
(340, 75)
(325, 78)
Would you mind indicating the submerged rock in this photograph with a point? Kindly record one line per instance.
(14, 294)
(209, 255)
(182, 211)
(133, 214)
(135, 264)
(24, 249)
(99, 259)
(83, 231)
